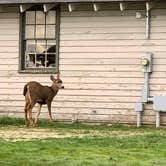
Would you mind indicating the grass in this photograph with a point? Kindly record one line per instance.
(111, 146)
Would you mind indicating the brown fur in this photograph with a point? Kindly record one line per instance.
(34, 93)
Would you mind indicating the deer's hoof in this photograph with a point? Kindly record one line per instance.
(51, 121)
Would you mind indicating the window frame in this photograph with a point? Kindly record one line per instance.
(22, 68)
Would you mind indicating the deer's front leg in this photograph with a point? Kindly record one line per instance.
(49, 110)
(38, 113)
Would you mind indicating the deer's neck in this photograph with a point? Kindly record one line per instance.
(55, 88)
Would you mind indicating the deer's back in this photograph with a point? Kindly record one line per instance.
(39, 92)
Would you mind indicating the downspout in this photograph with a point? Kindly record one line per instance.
(148, 7)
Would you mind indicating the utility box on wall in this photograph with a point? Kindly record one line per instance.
(146, 62)
(159, 103)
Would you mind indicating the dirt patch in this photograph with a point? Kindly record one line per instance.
(24, 134)
(28, 134)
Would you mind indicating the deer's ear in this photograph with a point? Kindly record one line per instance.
(52, 78)
(58, 76)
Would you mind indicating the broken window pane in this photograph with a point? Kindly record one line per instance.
(30, 53)
(40, 50)
(41, 60)
(30, 60)
(30, 46)
(51, 53)
(40, 46)
(41, 55)
(51, 44)
(51, 60)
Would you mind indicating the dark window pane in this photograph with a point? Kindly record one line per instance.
(41, 60)
(51, 60)
(51, 44)
(51, 53)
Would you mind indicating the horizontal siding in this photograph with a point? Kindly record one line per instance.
(157, 32)
(101, 53)
(86, 74)
(100, 56)
(94, 44)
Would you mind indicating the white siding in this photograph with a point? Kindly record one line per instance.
(100, 62)
(100, 56)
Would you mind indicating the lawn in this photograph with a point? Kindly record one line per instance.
(59, 144)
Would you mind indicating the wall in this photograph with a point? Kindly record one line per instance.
(99, 62)
(100, 54)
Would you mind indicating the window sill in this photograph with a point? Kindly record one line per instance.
(38, 71)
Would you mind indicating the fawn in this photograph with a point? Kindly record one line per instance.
(34, 93)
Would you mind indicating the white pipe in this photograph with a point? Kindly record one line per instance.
(150, 99)
(122, 6)
(157, 119)
(70, 7)
(145, 90)
(96, 7)
(138, 119)
(148, 6)
(147, 24)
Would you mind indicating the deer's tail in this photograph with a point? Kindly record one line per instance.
(25, 89)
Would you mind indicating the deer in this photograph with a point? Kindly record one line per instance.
(34, 93)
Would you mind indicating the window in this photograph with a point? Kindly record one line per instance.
(39, 41)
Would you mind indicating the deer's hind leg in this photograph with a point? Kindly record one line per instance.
(26, 113)
(30, 107)
(38, 112)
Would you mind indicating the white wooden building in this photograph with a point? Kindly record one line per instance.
(97, 47)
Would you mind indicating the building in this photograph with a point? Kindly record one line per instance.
(96, 45)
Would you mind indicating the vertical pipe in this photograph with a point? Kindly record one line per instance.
(138, 119)
(70, 7)
(95, 7)
(147, 23)
(157, 119)
(145, 90)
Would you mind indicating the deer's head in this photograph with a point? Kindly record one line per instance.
(57, 81)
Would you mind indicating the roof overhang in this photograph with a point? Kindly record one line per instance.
(4, 2)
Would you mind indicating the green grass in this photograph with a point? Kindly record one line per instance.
(145, 149)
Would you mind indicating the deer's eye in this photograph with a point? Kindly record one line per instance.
(59, 81)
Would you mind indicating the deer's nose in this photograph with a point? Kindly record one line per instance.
(62, 87)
